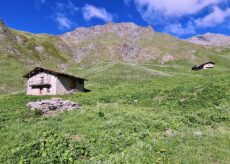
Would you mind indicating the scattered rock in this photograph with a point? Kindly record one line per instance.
(166, 58)
(197, 134)
(39, 49)
(72, 91)
(77, 138)
(170, 133)
(52, 106)
(135, 101)
(62, 66)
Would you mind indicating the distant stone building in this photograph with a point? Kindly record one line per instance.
(204, 66)
(41, 81)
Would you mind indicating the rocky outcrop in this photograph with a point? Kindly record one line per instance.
(114, 39)
(8, 41)
(5, 33)
(211, 39)
(127, 30)
(28, 48)
(50, 107)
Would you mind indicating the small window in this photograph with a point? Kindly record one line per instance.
(42, 80)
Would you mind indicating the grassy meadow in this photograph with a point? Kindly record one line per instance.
(148, 113)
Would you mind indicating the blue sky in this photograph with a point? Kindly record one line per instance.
(181, 18)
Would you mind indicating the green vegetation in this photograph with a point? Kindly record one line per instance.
(10, 72)
(18, 56)
(135, 113)
(147, 113)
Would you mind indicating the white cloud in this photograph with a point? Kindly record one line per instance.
(63, 22)
(90, 11)
(181, 17)
(173, 8)
(178, 29)
(217, 16)
(62, 14)
(68, 7)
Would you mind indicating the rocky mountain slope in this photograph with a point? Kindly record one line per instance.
(113, 42)
(30, 48)
(126, 42)
(211, 39)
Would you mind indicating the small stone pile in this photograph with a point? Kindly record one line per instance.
(50, 107)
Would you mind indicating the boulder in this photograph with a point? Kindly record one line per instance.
(54, 105)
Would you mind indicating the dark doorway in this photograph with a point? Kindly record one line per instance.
(41, 91)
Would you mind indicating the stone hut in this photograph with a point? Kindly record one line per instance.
(41, 81)
(207, 65)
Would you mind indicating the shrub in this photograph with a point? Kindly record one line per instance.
(51, 148)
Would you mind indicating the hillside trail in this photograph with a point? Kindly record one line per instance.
(151, 70)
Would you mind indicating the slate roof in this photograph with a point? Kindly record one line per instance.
(198, 67)
(40, 69)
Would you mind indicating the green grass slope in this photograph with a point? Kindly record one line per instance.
(134, 114)
(21, 51)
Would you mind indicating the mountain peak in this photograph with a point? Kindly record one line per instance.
(3, 27)
(117, 25)
(129, 30)
(126, 24)
(5, 32)
(211, 39)
(1, 21)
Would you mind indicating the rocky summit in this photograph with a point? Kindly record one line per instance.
(211, 39)
(112, 41)
(128, 30)
(125, 42)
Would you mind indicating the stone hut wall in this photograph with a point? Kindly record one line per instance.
(48, 78)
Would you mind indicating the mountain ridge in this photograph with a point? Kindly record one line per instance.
(215, 39)
(196, 39)
(113, 42)
(127, 42)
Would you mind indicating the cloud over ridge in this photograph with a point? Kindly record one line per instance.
(90, 11)
(181, 17)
